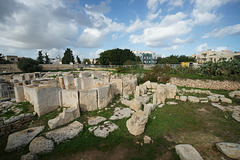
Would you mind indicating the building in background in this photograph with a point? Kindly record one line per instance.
(57, 60)
(147, 57)
(214, 56)
(12, 59)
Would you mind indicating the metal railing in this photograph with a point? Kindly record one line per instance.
(7, 93)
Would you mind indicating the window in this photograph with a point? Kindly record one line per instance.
(12, 59)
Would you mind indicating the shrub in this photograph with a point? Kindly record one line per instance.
(29, 65)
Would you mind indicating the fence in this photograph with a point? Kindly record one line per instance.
(7, 93)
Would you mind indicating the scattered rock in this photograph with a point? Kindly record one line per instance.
(236, 115)
(161, 105)
(29, 156)
(213, 98)
(120, 113)
(22, 138)
(41, 145)
(136, 124)
(187, 152)
(172, 103)
(104, 130)
(126, 96)
(95, 120)
(148, 108)
(62, 134)
(147, 139)
(16, 118)
(234, 94)
(92, 128)
(226, 100)
(136, 105)
(219, 106)
(231, 150)
(193, 99)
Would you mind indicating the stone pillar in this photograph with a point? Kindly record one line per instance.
(19, 93)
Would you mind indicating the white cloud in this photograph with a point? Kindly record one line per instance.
(201, 47)
(159, 34)
(182, 41)
(151, 16)
(153, 5)
(176, 3)
(172, 48)
(221, 48)
(223, 32)
(134, 26)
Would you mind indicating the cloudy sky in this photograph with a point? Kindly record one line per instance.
(88, 27)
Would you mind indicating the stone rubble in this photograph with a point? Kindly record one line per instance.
(232, 150)
(29, 156)
(41, 145)
(104, 130)
(120, 113)
(62, 134)
(147, 139)
(187, 152)
(22, 138)
(95, 120)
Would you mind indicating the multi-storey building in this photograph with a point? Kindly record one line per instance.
(214, 56)
(147, 57)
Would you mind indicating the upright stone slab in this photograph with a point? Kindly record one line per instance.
(171, 90)
(29, 91)
(104, 96)
(84, 74)
(77, 83)
(46, 100)
(19, 93)
(129, 86)
(137, 92)
(86, 82)
(161, 94)
(69, 82)
(70, 98)
(88, 100)
(116, 86)
(61, 82)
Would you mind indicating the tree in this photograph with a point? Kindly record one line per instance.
(40, 57)
(78, 60)
(116, 56)
(29, 65)
(175, 59)
(68, 56)
(3, 61)
(86, 61)
(47, 60)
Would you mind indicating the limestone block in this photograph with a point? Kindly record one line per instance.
(116, 86)
(95, 120)
(193, 99)
(154, 98)
(41, 145)
(143, 99)
(161, 94)
(69, 81)
(87, 82)
(61, 82)
(136, 105)
(148, 108)
(183, 98)
(46, 100)
(137, 92)
(22, 138)
(29, 91)
(62, 134)
(234, 93)
(154, 85)
(231, 150)
(129, 86)
(213, 98)
(148, 84)
(171, 90)
(187, 152)
(143, 89)
(85, 74)
(147, 139)
(226, 100)
(120, 113)
(70, 98)
(88, 100)
(65, 117)
(105, 79)
(29, 156)
(49, 83)
(136, 124)
(104, 96)
(104, 130)
(126, 102)
(19, 93)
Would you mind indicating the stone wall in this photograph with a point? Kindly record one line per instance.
(207, 84)
(14, 126)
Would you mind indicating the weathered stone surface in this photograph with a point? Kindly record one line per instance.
(148, 84)
(116, 86)
(22, 138)
(61, 82)
(104, 96)
(69, 81)
(29, 156)
(236, 115)
(16, 118)
(88, 100)
(104, 130)
(143, 89)
(65, 117)
(136, 105)
(193, 99)
(29, 93)
(161, 94)
(171, 90)
(187, 152)
(69, 98)
(95, 120)
(148, 108)
(87, 82)
(147, 139)
(183, 98)
(136, 124)
(154, 98)
(125, 102)
(226, 100)
(120, 113)
(46, 100)
(213, 98)
(143, 99)
(129, 86)
(231, 150)
(62, 134)
(219, 106)
(77, 83)
(41, 145)
(137, 92)
(234, 94)
(19, 93)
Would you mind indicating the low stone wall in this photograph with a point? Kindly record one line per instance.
(207, 84)
(6, 129)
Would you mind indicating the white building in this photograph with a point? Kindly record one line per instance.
(214, 56)
(147, 57)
